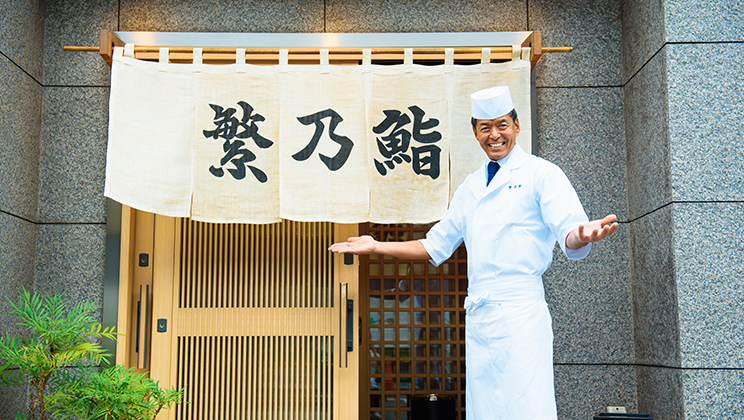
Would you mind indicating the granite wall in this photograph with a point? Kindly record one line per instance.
(683, 117)
(53, 115)
(650, 320)
(21, 45)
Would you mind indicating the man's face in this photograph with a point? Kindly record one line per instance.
(498, 136)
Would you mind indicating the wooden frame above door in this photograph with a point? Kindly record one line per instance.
(343, 47)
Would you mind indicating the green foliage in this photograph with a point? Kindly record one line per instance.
(58, 338)
(115, 393)
(59, 359)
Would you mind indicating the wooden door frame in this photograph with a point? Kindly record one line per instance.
(158, 237)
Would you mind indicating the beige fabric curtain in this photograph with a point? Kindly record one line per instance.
(257, 144)
(236, 144)
(408, 144)
(151, 130)
(323, 162)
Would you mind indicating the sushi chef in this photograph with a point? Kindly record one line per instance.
(509, 213)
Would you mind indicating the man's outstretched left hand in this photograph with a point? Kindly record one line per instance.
(594, 231)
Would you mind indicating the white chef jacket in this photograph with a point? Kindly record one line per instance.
(509, 228)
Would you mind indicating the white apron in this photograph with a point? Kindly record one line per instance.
(509, 228)
(509, 352)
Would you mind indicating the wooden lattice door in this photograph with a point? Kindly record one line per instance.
(252, 320)
(414, 328)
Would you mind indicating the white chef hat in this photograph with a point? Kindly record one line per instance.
(491, 103)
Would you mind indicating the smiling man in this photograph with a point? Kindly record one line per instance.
(510, 213)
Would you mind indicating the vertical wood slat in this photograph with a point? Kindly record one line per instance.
(250, 283)
(272, 265)
(233, 266)
(209, 376)
(305, 378)
(312, 264)
(198, 259)
(219, 266)
(257, 267)
(230, 359)
(272, 377)
(294, 299)
(293, 379)
(209, 284)
(302, 286)
(190, 390)
(219, 406)
(198, 385)
(264, 267)
(262, 376)
(242, 279)
(252, 392)
(244, 394)
(127, 254)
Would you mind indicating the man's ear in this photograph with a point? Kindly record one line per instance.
(516, 126)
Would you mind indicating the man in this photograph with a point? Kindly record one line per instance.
(509, 213)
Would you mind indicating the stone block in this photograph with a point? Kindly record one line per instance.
(647, 137)
(17, 256)
(20, 108)
(642, 33)
(713, 394)
(592, 28)
(708, 249)
(581, 130)
(70, 261)
(655, 307)
(706, 121)
(73, 155)
(590, 302)
(425, 16)
(22, 34)
(13, 401)
(582, 391)
(704, 21)
(660, 392)
(77, 23)
(222, 16)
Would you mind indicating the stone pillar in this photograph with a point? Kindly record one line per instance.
(580, 128)
(683, 117)
(21, 43)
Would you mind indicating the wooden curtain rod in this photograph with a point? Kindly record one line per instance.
(308, 50)
(307, 55)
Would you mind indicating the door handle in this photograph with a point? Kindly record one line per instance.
(345, 325)
(349, 325)
(139, 319)
(141, 343)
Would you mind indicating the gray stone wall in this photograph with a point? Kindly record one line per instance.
(53, 116)
(580, 127)
(650, 320)
(21, 45)
(683, 115)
